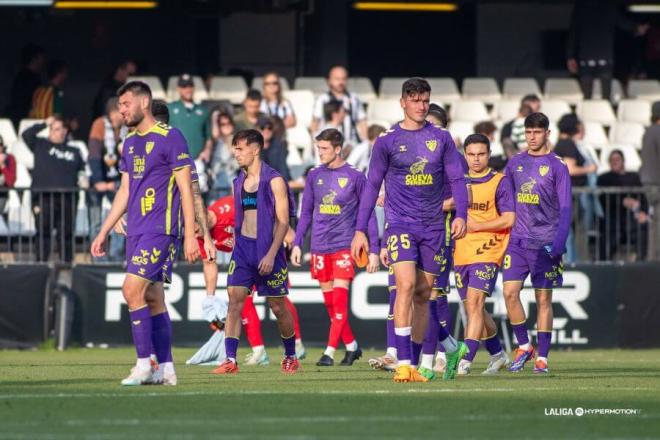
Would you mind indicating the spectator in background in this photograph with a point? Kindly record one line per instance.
(582, 168)
(590, 43)
(248, 118)
(7, 174)
(360, 156)
(273, 103)
(275, 151)
(110, 85)
(57, 167)
(223, 166)
(512, 135)
(48, 99)
(437, 116)
(626, 215)
(192, 119)
(33, 60)
(650, 173)
(105, 178)
(498, 158)
(355, 119)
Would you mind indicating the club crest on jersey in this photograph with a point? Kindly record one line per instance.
(402, 149)
(526, 195)
(543, 170)
(130, 149)
(342, 181)
(319, 182)
(149, 146)
(417, 177)
(519, 169)
(328, 205)
(432, 145)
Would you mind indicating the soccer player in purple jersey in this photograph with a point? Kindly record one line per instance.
(542, 190)
(412, 157)
(261, 203)
(329, 205)
(155, 192)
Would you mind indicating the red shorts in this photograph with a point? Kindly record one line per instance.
(202, 252)
(328, 267)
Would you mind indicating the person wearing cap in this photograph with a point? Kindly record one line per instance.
(192, 119)
(650, 173)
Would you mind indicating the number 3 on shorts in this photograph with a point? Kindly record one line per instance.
(507, 261)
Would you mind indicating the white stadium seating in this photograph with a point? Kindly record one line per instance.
(624, 132)
(317, 84)
(565, 89)
(647, 89)
(634, 110)
(385, 109)
(229, 88)
(596, 110)
(516, 88)
(157, 91)
(362, 87)
(469, 111)
(7, 131)
(483, 89)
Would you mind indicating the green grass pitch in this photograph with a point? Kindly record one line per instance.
(76, 394)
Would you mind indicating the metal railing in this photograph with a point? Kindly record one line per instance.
(57, 225)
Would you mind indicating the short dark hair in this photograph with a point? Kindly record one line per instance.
(55, 67)
(331, 135)
(617, 151)
(250, 136)
(568, 124)
(485, 127)
(532, 97)
(331, 107)
(160, 111)
(374, 131)
(336, 66)
(138, 88)
(415, 86)
(253, 95)
(537, 120)
(440, 113)
(57, 117)
(111, 104)
(476, 138)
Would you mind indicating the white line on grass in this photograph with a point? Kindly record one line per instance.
(321, 392)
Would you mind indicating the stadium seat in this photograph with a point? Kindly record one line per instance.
(555, 109)
(633, 161)
(496, 148)
(554, 133)
(302, 102)
(635, 110)
(157, 91)
(469, 111)
(362, 87)
(82, 216)
(258, 83)
(19, 149)
(594, 135)
(596, 110)
(647, 89)
(300, 138)
(385, 109)
(566, 89)
(507, 109)
(199, 95)
(230, 88)
(461, 129)
(7, 131)
(483, 89)
(516, 88)
(616, 93)
(317, 84)
(443, 90)
(624, 132)
(390, 88)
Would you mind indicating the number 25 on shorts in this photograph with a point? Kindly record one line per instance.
(393, 240)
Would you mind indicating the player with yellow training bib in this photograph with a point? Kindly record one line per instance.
(478, 255)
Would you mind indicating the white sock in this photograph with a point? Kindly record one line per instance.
(143, 363)
(258, 349)
(427, 361)
(450, 344)
(496, 355)
(441, 355)
(392, 352)
(402, 331)
(541, 358)
(406, 362)
(231, 359)
(168, 367)
(330, 351)
(352, 346)
(524, 346)
(298, 341)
